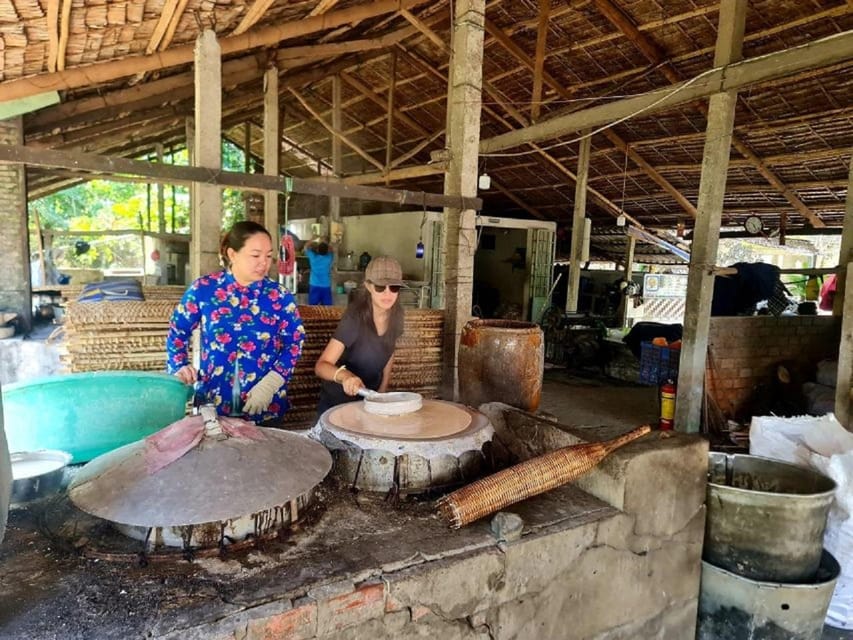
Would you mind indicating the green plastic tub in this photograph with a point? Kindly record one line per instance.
(87, 414)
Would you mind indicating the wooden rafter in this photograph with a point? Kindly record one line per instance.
(374, 97)
(254, 13)
(322, 7)
(439, 75)
(423, 144)
(566, 94)
(539, 61)
(389, 113)
(64, 27)
(308, 52)
(52, 34)
(170, 9)
(405, 173)
(823, 52)
(425, 29)
(656, 56)
(338, 134)
(101, 72)
(174, 174)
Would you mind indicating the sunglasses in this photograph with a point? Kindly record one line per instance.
(380, 288)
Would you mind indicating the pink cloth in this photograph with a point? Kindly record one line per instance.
(172, 442)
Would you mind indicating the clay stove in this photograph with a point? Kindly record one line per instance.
(441, 444)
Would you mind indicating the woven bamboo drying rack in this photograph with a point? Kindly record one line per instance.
(131, 335)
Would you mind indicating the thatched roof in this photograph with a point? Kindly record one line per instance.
(793, 135)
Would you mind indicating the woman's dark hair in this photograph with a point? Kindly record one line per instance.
(322, 248)
(361, 307)
(237, 236)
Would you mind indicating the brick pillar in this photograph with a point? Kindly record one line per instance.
(15, 291)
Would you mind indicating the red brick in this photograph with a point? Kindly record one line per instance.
(363, 604)
(300, 623)
(419, 612)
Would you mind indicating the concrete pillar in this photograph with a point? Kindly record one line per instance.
(578, 223)
(845, 255)
(15, 289)
(463, 133)
(207, 152)
(712, 188)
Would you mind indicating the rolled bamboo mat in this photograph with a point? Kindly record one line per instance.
(527, 479)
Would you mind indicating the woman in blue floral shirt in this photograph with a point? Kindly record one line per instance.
(250, 329)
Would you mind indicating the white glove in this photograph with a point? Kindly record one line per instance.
(260, 396)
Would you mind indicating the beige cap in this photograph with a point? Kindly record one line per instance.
(384, 270)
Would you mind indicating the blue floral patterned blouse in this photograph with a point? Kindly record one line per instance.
(249, 330)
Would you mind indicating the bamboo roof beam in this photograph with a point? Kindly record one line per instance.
(52, 34)
(566, 94)
(440, 76)
(816, 54)
(374, 97)
(175, 174)
(657, 57)
(404, 173)
(424, 28)
(102, 72)
(539, 60)
(171, 13)
(255, 13)
(64, 24)
(322, 7)
(338, 134)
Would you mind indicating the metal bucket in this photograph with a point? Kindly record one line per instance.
(735, 608)
(765, 519)
(501, 360)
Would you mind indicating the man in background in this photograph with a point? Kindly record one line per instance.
(320, 280)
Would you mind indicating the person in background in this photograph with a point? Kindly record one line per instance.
(251, 333)
(320, 281)
(361, 353)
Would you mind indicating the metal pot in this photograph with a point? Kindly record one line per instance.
(37, 474)
(765, 518)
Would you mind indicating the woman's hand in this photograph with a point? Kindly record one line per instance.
(352, 384)
(187, 374)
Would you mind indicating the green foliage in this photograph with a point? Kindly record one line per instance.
(101, 205)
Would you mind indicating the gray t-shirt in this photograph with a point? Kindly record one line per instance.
(365, 355)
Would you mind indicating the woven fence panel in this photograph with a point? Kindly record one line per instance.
(102, 336)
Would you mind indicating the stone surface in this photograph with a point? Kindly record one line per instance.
(507, 527)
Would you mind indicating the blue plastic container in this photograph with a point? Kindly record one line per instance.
(87, 414)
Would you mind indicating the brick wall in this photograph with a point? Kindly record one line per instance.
(14, 285)
(743, 351)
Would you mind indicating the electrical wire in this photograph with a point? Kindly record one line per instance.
(610, 125)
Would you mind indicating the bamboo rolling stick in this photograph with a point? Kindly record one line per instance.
(527, 479)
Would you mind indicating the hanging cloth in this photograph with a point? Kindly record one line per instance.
(287, 255)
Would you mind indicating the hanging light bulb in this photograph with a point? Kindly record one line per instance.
(621, 220)
(484, 181)
(419, 250)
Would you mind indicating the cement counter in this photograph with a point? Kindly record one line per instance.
(360, 567)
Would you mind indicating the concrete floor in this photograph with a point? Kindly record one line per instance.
(591, 401)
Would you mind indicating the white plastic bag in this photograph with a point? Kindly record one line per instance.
(822, 444)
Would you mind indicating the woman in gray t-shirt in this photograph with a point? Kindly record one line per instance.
(361, 352)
